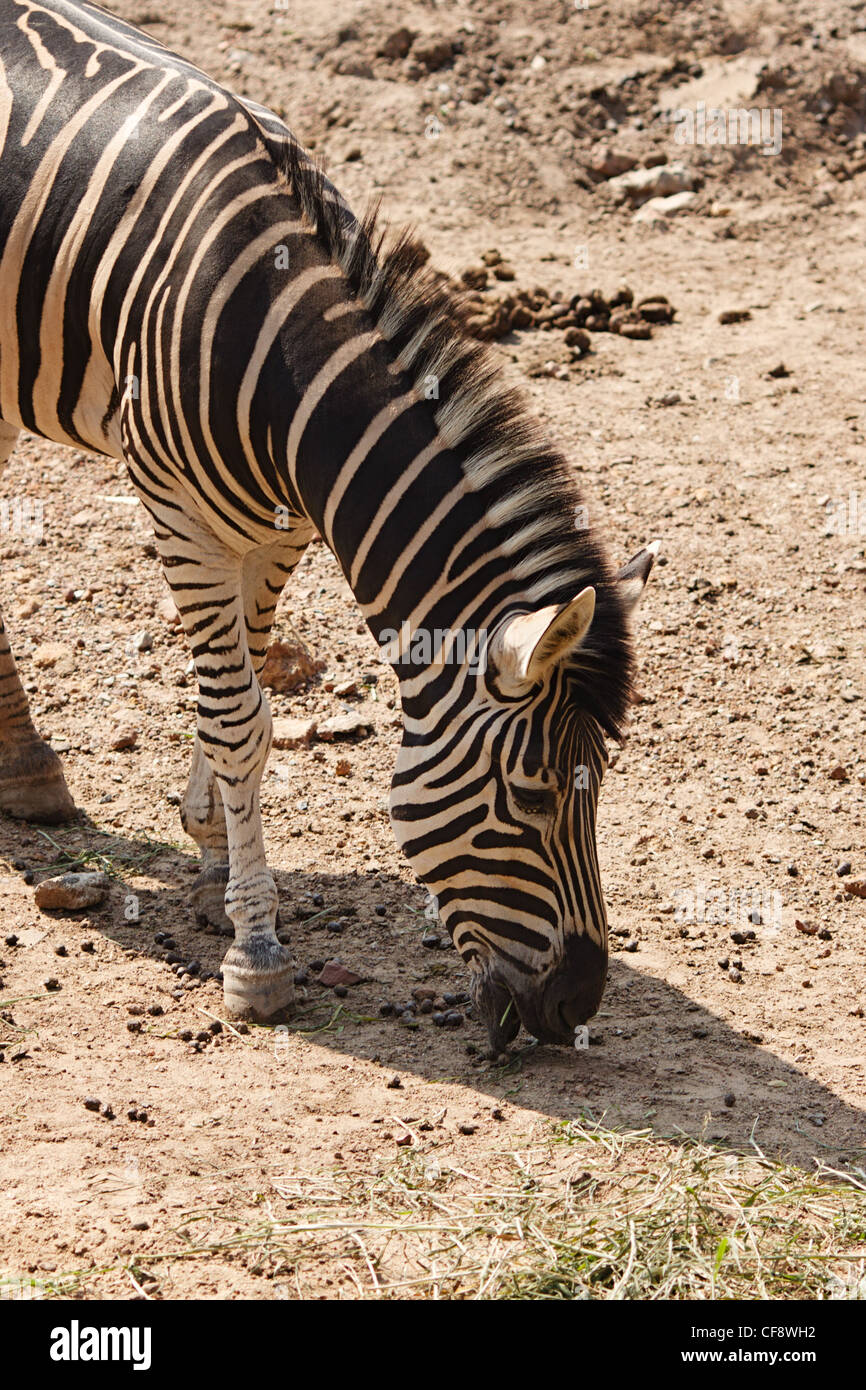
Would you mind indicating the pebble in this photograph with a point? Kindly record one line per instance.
(467, 1128)
(293, 733)
(88, 947)
(843, 868)
(856, 887)
(91, 1103)
(142, 641)
(60, 951)
(123, 739)
(51, 983)
(630, 945)
(343, 726)
(395, 1084)
(71, 892)
(735, 975)
(730, 1099)
(734, 315)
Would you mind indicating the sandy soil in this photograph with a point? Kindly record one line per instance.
(746, 764)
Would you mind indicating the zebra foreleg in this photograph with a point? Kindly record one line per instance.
(264, 577)
(32, 784)
(234, 737)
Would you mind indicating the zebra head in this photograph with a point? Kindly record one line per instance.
(495, 807)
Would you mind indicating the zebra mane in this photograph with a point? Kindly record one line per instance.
(534, 502)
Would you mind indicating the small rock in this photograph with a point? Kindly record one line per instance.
(735, 975)
(838, 773)
(433, 53)
(334, 974)
(664, 208)
(734, 315)
(293, 733)
(856, 887)
(807, 928)
(431, 941)
(54, 656)
(343, 726)
(843, 868)
(91, 1103)
(142, 641)
(398, 43)
(466, 1128)
(730, 1099)
(288, 666)
(608, 163)
(122, 739)
(640, 184)
(71, 892)
(167, 611)
(395, 1084)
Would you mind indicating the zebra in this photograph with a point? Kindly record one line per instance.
(182, 289)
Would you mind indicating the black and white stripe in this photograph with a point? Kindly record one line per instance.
(182, 289)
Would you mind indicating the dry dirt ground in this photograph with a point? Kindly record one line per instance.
(746, 763)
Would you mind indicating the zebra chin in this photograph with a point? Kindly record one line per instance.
(549, 1006)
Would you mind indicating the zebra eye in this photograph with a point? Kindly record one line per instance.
(537, 802)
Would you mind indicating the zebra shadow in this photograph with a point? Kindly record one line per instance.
(654, 1058)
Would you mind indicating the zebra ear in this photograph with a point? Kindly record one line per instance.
(634, 574)
(530, 644)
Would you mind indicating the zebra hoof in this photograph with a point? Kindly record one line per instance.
(208, 899)
(258, 981)
(33, 787)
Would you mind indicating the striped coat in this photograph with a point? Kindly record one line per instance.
(182, 289)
